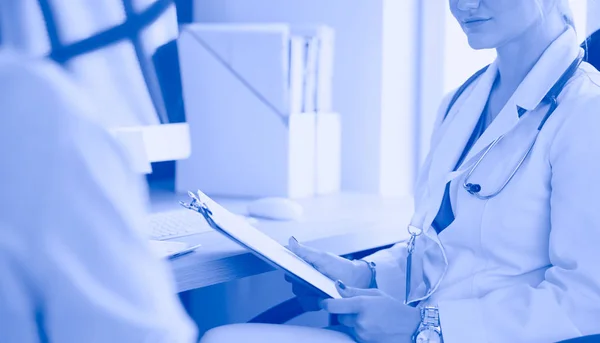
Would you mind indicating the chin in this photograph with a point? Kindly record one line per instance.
(480, 42)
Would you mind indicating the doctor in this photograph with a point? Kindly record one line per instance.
(507, 218)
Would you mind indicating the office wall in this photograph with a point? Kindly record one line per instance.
(593, 16)
(358, 79)
(399, 96)
(432, 49)
(580, 11)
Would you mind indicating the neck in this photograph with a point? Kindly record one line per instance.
(517, 58)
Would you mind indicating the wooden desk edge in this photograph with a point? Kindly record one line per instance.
(245, 264)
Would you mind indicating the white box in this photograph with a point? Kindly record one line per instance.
(328, 153)
(272, 160)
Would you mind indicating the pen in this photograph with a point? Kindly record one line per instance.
(184, 252)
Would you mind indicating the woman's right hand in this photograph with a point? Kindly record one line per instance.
(352, 273)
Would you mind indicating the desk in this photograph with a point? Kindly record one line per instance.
(342, 224)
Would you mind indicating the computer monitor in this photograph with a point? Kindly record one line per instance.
(155, 131)
(168, 138)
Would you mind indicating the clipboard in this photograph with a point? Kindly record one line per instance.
(264, 247)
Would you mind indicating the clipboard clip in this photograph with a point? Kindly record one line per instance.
(199, 206)
(196, 204)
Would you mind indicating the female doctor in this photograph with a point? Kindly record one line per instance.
(507, 222)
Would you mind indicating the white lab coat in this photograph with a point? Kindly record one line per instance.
(523, 266)
(74, 265)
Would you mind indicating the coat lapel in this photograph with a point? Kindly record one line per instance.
(454, 135)
(503, 123)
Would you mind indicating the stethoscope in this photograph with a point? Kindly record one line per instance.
(552, 98)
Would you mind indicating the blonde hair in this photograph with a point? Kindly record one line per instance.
(564, 8)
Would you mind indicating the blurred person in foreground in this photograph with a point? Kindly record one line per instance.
(74, 263)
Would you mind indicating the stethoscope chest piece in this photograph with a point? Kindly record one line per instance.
(473, 188)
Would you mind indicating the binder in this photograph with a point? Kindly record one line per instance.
(324, 68)
(328, 153)
(297, 73)
(257, 55)
(310, 77)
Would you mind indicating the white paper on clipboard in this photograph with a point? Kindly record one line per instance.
(240, 231)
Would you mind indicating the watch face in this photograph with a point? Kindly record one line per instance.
(428, 336)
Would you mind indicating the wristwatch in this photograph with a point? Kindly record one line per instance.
(429, 330)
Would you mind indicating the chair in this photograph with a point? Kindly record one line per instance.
(592, 46)
(584, 339)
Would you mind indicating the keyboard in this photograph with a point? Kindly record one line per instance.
(176, 223)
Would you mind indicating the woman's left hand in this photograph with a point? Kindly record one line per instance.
(373, 316)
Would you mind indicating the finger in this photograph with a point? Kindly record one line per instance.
(309, 255)
(349, 292)
(348, 320)
(301, 290)
(328, 264)
(342, 306)
(294, 280)
(309, 304)
(360, 334)
(355, 332)
(288, 278)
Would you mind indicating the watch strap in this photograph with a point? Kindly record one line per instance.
(430, 316)
(373, 268)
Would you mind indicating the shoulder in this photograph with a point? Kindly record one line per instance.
(47, 125)
(49, 141)
(583, 98)
(453, 99)
(41, 100)
(457, 96)
(579, 128)
(19, 73)
(37, 80)
(33, 108)
(38, 97)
